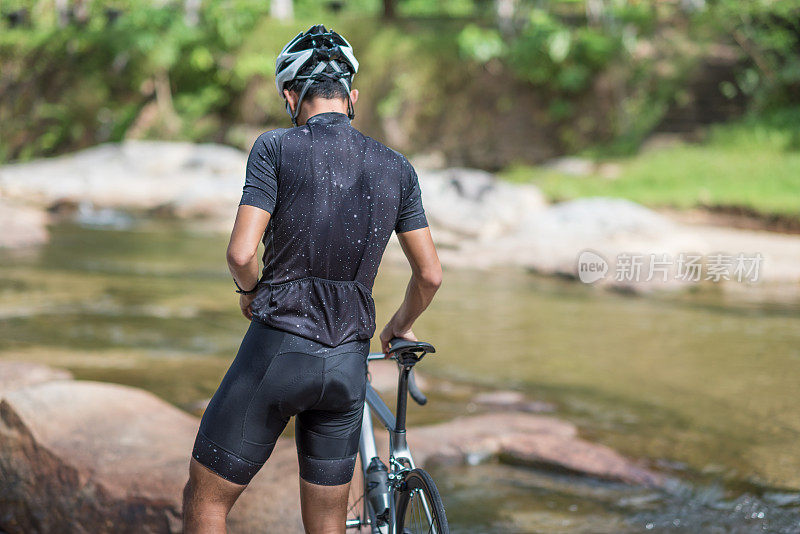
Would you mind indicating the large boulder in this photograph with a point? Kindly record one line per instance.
(191, 179)
(473, 204)
(525, 439)
(550, 241)
(91, 457)
(21, 225)
(553, 239)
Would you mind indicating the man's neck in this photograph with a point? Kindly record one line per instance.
(309, 108)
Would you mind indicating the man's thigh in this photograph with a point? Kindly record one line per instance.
(327, 435)
(241, 424)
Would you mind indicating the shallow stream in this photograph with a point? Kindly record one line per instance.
(701, 387)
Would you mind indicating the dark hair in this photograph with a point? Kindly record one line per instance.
(323, 87)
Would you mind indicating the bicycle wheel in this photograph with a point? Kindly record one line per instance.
(419, 506)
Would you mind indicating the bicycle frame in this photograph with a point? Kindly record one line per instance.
(400, 459)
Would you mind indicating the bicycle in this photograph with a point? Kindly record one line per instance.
(400, 498)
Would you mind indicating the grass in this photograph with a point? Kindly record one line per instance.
(752, 164)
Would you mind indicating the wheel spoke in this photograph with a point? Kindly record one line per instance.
(355, 503)
(421, 510)
(413, 510)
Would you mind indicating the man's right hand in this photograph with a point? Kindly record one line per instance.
(244, 303)
(389, 332)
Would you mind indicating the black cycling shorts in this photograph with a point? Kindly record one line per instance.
(276, 375)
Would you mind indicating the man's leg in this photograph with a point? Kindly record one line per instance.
(207, 499)
(240, 416)
(324, 508)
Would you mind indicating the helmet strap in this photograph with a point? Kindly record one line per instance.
(311, 78)
(351, 112)
(319, 68)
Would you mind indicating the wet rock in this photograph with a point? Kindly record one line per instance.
(526, 439)
(573, 455)
(512, 400)
(21, 225)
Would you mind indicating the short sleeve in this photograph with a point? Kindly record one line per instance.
(411, 215)
(261, 177)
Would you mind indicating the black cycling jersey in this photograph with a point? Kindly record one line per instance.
(335, 196)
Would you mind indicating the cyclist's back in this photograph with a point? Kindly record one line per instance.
(335, 196)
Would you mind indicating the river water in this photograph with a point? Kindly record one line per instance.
(701, 387)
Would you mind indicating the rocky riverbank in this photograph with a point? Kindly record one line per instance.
(112, 458)
(477, 220)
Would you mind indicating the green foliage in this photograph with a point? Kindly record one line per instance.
(768, 33)
(753, 163)
(547, 52)
(565, 61)
(85, 83)
(481, 44)
(605, 83)
(776, 130)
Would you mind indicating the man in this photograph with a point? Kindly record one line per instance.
(324, 199)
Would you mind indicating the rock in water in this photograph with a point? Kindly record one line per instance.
(192, 179)
(473, 204)
(512, 400)
(91, 457)
(573, 455)
(551, 240)
(525, 439)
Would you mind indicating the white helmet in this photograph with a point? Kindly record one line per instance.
(331, 55)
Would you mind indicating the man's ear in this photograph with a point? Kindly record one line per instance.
(354, 95)
(291, 98)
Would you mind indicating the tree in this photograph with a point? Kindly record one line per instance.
(389, 11)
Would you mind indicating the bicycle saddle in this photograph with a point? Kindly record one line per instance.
(404, 347)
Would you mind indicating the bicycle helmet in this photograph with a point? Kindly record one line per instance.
(328, 55)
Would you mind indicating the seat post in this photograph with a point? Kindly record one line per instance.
(402, 398)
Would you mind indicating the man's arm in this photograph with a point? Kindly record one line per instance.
(242, 251)
(426, 277)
